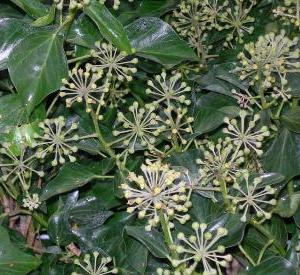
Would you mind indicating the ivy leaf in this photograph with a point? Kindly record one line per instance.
(291, 119)
(12, 31)
(109, 26)
(156, 8)
(288, 205)
(12, 260)
(74, 175)
(272, 266)
(153, 240)
(84, 32)
(34, 8)
(156, 40)
(283, 155)
(37, 66)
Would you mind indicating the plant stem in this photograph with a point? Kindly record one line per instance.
(247, 255)
(224, 193)
(262, 252)
(79, 58)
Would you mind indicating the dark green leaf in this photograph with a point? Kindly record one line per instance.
(74, 175)
(37, 66)
(156, 40)
(291, 119)
(109, 26)
(288, 205)
(46, 19)
(156, 8)
(12, 260)
(153, 240)
(34, 8)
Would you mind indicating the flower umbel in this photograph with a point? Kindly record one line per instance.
(31, 202)
(96, 267)
(159, 190)
(252, 196)
(56, 139)
(112, 63)
(244, 135)
(168, 91)
(140, 128)
(220, 163)
(289, 12)
(272, 56)
(201, 248)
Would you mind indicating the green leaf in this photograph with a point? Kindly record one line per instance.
(156, 40)
(288, 205)
(37, 66)
(7, 11)
(153, 240)
(12, 31)
(109, 26)
(12, 260)
(291, 119)
(34, 8)
(46, 19)
(272, 266)
(283, 156)
(156, 8)
(74, 175)
(84, 32)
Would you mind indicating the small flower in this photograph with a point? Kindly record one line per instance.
(56, 139)
(289, 12)
(168, 90)
(116, 3)
(116, 93)
(236, 19)
(159, 190)
(83, 87)
(140, 128)
(177, 124)
(220, 163)
(252, 196)
(272, 56)
(283, 93)
(31, 202)
(96, 267)
(244, 135)
(112, 63)
(201, 248)
(17, 166)
(73, 4)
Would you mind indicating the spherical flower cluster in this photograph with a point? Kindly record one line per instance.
(31, 202)
(201, 248)
(17, 167)
(96, 267)
(56, 139)
(83, 87)
(139, 128)
(160, 190)
(270, 58)
(116, 93)
(220, 163)
(289, 12)
(244, 135)
(112, 63)
(168, 91)
(251, 196)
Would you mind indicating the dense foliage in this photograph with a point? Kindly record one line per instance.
(149, 137)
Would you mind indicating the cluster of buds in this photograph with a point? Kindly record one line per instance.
(220, 163)
(83, 87)
(237, 20)
(159, 191)
(243, 134)
(96, 267)
(31, 202)
(177, 124)
(289, 12)
(17, 167)
(140, 128)
(272, 56)
(116, 3)
(201, 248)
(113, 63)
(56, 139)
(168, 91)
(251, 196)
(73, 4)
(116, 93)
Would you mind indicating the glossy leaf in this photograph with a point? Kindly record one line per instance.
(288, 205)
(12, 260)
(153, 240)
(291, 120)
(109, 26)
(37, 66)
(75, 175)
(33, 8)
(156, 8)
(156, 40)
